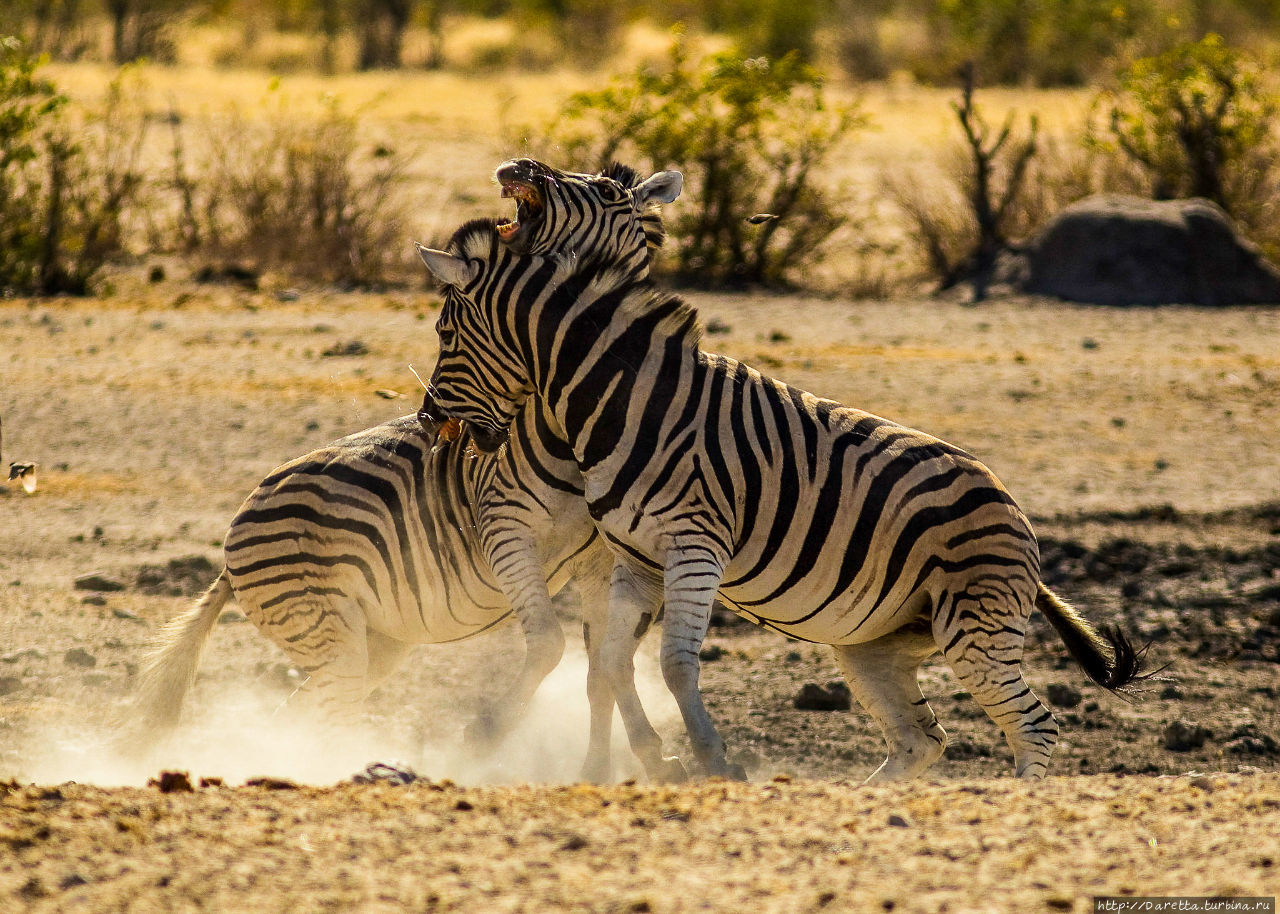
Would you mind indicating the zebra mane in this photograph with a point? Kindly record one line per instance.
(475, 238)
(655, 233)
(673, 318)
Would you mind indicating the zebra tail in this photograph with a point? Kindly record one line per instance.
(169, 668)
(1106, 653)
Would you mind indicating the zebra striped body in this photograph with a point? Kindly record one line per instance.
(349, 555)
(822, 522)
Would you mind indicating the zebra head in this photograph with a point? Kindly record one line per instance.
(479, 377)
(611, 215)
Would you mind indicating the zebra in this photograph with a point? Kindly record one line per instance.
(349, 555)
(816, 520)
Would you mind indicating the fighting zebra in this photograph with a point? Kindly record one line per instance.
(822, 522)
(351, 554)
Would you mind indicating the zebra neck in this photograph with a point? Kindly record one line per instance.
(613, 367)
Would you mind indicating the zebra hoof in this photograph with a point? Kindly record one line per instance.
(735, 772)
(482, 734)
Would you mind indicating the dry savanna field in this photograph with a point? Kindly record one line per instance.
(1141, 441)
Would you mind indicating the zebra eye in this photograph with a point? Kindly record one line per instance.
(446, 338)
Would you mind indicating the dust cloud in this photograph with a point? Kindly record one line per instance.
(242, 732)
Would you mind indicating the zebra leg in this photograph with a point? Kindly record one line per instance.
(693, 575)
(326, 638)
(882, 674)
(598, 766)
(633, 606)
(981, 631)
(523, 582)
(385, 654)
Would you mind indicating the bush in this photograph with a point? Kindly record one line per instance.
(66, 188)
(311, 198)
(1061, 43)
(1198, 120)
(750, 136)
(963, 241)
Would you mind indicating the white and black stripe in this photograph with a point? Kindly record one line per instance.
(349, 555)
(822, 522)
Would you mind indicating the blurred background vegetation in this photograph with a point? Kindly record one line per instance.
(851, 145)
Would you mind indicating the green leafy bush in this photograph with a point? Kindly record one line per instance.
(1198, 119)
(1061, 43)
(66, 184)
(751, 136)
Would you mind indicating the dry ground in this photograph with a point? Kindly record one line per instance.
(1141, 441)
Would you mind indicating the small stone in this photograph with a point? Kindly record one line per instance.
(388, 394)
(172, 782)
(463, 806)
(343, 349)
(94, 599)
(813, 697)
(898, 821)
(271, 783)
(1063, 695)
(232, 617)
(386, 773)
(1183, 736)
(126, 615)
(78, 656)
(99, 581)
(574, 842)
(288, 295)
(210, 781)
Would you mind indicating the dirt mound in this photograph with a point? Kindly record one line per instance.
(1119, 250)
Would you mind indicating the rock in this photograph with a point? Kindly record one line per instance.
(1183, 736)
(813, 697)
(78, 656)
(184, 576)
(386, 773)
(898, 821)
(350, 348)
(10, 684)
(271, 783)
(172, 782)
(1113, 249)
(1063, 695)
(94, 599)
(232, 617)
(97, 580)
(126, 615)
(1249, 740)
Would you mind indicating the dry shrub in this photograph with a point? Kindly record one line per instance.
(69, 179)
(311, 198)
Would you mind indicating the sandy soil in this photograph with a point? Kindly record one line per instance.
(1142, 442)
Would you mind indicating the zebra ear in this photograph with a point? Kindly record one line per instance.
(663, 187)
(450, 270)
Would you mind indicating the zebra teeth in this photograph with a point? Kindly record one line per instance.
(507, 229)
